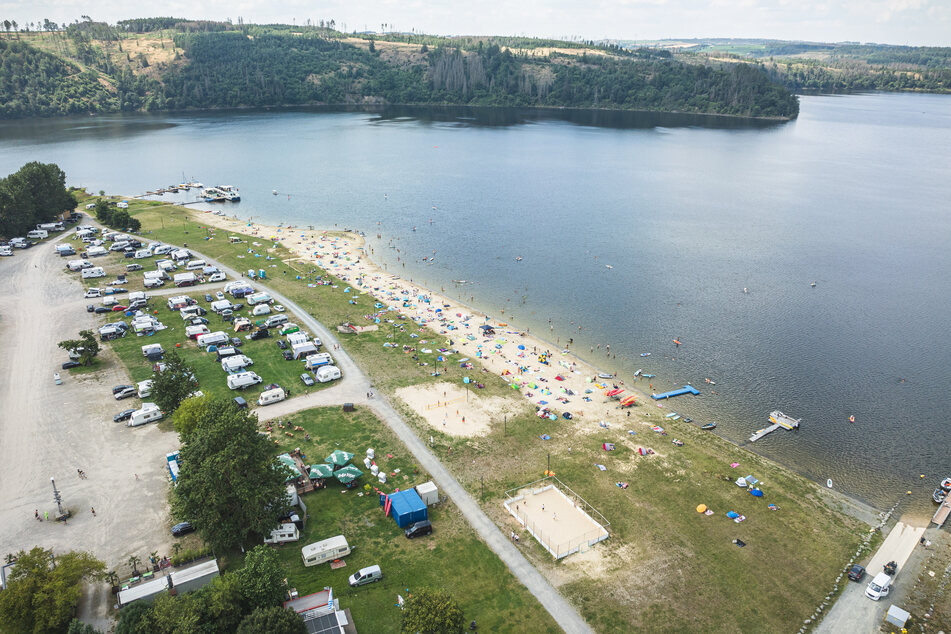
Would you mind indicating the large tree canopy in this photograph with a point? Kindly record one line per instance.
(431, 611)
(34, 194)
(231, 487)
(41, 597)
(173, 384)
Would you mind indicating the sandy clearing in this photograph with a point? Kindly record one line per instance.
(451, 409)
(553, 519)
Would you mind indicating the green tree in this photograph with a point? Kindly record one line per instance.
(135, 619)
(223, 603)
(78, 627)
(262, 578)
(431, 611)
(231, 487)
(175, 614)
(188, 414)
(103, 212)
(272, 620)
(174, 384)
(134, 562)
(34, 194)
(87, 345)
(41, 598)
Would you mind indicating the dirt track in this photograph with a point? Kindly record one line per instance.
(49, 430)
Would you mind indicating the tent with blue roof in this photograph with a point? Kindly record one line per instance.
(406, 507)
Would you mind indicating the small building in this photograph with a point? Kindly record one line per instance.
(406, 507)
(184, 580)
(321, 612)
(428, 493)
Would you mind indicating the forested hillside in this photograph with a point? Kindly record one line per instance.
(166, 64)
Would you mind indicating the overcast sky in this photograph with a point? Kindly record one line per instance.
(912, 22)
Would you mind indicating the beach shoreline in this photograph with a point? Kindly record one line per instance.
(345, 255)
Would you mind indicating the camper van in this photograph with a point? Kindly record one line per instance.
(276, 320)
(213, 339)
(324, 551)
(235, 362)
(242, 380)
(5, 250)
(327, 373)
(37, 234)
(195, 265)
(147, 414)
(259, 298)
(217, 276)
(315, 361)
(270, 396)
(92, 272)
(152, 282)
(283, 534)
(365, 576)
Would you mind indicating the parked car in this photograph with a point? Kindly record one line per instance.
(118, 308)
(90, 308)
(92, 292)
(219, 295)
(197, 321)
(282, 344)
(133, 267)
(125, 414)
(71, 364)
(857, 572)
(182, 528)
(307, 379)
(209, 298)
(118, 388)
(102, 309)
(126, 393)
(261, 333)
(240, 403)
(288, 355)
(278, 308)
(418, 529)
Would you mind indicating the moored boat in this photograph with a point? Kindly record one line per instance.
(709, 426)
(939, 495)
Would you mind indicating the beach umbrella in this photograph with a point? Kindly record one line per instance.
(521, 347)
(701, 508)
(288, 462)
(348, 474)
(339, 458)
(321, 471)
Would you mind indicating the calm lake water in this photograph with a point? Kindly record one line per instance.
(855, 195)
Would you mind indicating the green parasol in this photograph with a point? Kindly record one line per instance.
(339, 458)
(348, 474)
(321, 471)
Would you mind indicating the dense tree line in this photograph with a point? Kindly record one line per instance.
(148, 25)
(34, 194)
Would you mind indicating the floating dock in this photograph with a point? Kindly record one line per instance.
(687, 389)
(942, 513)
(779, 421)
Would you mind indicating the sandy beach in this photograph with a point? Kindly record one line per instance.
(551, 379)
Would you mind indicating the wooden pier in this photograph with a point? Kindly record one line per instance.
(942, 514)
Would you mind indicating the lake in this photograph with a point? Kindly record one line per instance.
(687, 212)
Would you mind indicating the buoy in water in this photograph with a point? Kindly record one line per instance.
(852, 418)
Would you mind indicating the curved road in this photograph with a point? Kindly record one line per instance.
(353, 388)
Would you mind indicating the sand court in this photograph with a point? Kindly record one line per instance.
(563, 524)
(446, 407)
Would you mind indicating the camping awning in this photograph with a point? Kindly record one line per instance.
(339, 458)
(348, 474)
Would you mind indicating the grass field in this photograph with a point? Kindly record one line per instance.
(452, 557)
(665, 567)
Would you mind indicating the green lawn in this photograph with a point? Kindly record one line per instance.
(452, 558)
(665, 566)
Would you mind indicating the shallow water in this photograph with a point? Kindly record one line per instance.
(854, 195)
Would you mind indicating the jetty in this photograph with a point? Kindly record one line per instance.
(687, 389)
(941, 515)
(779, 421)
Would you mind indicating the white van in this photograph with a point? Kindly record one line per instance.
(152, 349)
(162, 249)
(217, 277)
(327, 373)
(324, 551)
(270, 396)
(242, 380)
(5, 250)
(879, 586)
(78, 265)
(152, 282)
(276, 320)
(145, 388)
(259, 298)
(147, 414)
(212, 339)
(365, 576)
(92, 272)
(261, 309)
(235, 362)
(283, 534)
(194, 265)
(314, 361)
(37, 234)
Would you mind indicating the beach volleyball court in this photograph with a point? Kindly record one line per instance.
(559, 519)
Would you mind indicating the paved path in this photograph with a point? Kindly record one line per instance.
(855, 613)
(353, 388)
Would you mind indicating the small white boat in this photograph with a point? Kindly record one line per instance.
(605, 375)
(608, 266)
(829, 483)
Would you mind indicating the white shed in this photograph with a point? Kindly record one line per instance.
(428, 493)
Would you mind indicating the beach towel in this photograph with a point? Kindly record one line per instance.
(621, 485)
(608, 446)
(771, 507)
(739, 519)
(545, 437)
(734, 465)
(601, 467)
(708, 512)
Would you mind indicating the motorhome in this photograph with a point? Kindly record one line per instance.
(276, 320)
(325, 550)
(195, 265)
(220, 305)
(217, 277)
(52, 226)
(314, 361)
(259, 298)
(242, 380)
(37, 234)
(152, 282)
(235, 363)
(5, 250)
(148, 413)
(93, 272)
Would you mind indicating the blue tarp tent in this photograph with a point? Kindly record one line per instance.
(406, 507)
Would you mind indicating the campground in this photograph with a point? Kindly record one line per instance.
(654, 523)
